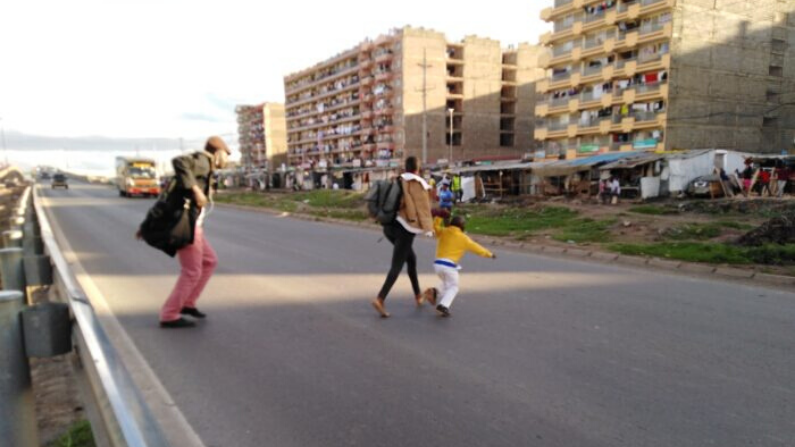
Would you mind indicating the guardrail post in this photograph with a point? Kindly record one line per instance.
(48, 330)
(38, 271)
(16, 222)
(17, 412)
(31, 243)
(12, 269)
(13, 238)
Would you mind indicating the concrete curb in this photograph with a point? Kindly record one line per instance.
(688, 268)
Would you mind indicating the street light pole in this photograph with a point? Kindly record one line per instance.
(451, 111)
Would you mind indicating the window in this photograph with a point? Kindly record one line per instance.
(776, 71)
(456, 139)
(769, 122)
(779, 46)
(506, 140)
(771, 96)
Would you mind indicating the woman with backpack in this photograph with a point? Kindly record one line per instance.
(413, 218)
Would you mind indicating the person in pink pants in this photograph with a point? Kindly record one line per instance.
(198, 262)
(193, 176)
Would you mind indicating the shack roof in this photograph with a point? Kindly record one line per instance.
(568, 167)
(502, 166)
(633, 162)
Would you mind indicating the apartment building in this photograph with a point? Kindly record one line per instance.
(368, 105)
(262, 133)
(625, 75)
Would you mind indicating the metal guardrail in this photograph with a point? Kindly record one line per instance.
(117, 411)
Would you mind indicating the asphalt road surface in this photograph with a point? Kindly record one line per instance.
(539, 351)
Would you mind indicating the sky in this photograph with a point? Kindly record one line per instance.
(176, 69)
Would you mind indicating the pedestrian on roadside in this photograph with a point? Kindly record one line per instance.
(458, 193)
(604, 191)
(748, 177)
(414, 217)
(615, 190)
(446, 198)
(193, 175)
(432, 182)
(782, 177)
(764, 183)
(452, 245)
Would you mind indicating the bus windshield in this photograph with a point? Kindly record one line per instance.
(137, 172)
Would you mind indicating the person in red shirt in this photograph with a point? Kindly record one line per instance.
(764, 183)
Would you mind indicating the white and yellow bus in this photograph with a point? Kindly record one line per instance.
(137, 177)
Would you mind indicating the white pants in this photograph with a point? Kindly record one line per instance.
(448, 284)
(782, 185)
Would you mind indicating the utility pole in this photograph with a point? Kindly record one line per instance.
(424, 65)
(451, 111)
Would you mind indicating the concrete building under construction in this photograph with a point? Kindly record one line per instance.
(368, 106)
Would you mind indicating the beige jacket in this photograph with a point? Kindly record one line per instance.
(415, 207)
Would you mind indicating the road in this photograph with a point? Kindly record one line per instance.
(539, 351)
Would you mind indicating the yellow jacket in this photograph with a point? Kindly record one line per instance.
(454, 243)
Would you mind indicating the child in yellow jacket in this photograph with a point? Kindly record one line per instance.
(452, 245)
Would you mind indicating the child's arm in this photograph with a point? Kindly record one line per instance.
(438, 225)
(478, 249)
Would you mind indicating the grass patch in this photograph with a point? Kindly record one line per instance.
(79, 435)
(687, 251)
(258, 200)
(586, 230)
(735, 225)
(326, 198)
(712, 253)
(516, 221)
(652, 210)
(698, 232)
(772, 254)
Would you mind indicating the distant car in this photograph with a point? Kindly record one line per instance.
(45, 175)
(705, 186)
(59, 181)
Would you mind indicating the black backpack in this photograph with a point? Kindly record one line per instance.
(383, 200)
(169, 224)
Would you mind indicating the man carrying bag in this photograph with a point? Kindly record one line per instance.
(174, 225)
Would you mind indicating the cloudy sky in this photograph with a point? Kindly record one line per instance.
(170, 69)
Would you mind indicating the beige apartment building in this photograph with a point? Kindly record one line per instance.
(368, 106)
(626, 75)
(262, 134)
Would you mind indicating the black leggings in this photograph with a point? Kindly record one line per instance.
(402, 253)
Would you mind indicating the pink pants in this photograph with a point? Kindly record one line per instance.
(198, 262)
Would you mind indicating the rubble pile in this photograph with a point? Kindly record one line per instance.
(779, 230)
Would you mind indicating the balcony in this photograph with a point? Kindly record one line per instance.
(322, 80)
(560, 7)
(384, 57)
(384, 76)
(590, 72)
(558, 103)
(542, 109)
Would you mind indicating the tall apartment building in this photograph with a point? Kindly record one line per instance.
(368, 105)
(667, 74)
(262, 133)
